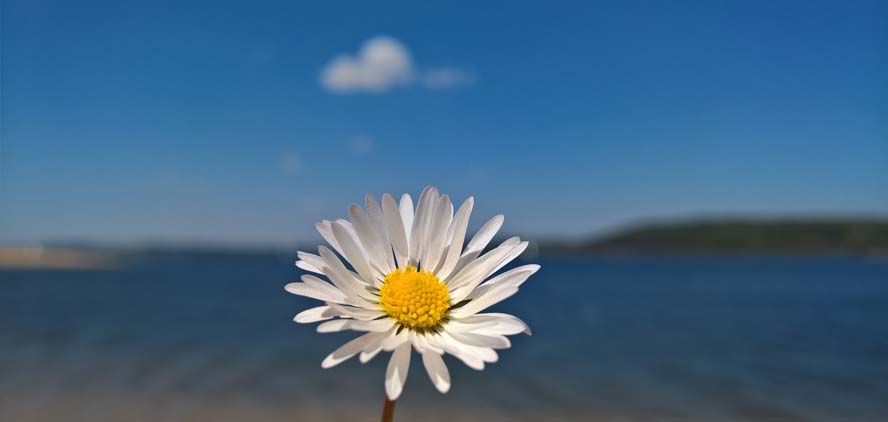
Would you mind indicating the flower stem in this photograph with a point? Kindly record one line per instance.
(388, 410)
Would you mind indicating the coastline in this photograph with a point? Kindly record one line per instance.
(37, 258)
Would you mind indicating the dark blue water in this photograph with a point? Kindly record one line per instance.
(209, 337)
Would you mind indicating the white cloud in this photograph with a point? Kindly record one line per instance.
(381, 64)
(384, 63)
(361, 144)
(446, 78)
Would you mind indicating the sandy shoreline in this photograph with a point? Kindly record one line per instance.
(91, 405)
(54, 259)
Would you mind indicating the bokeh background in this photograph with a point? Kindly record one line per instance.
(705, 185)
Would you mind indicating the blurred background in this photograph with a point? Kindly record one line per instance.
(705, 185)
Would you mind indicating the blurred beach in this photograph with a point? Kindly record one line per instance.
(208, 336)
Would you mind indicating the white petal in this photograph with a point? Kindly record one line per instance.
(336, 325)
(347, 225)
(350, 283)
(333, 326)
(392, 342)
(499, 293)
(481, 303)
(305, 265)
(470, 323)
(487, 354)
(394, 226)
(377, 325)
(369, 238)
(323, 286)
(422, 343)
(306, 290)
(507, 324)
(325, 229)
(353, 253)
(419, 233)
(396, 373)
(483, 237)
(495, 323)
(502, 329)
(312, 315)
(460, 223)
(494, 341)
(310, 262)
(478, 270)
(512, 278)
(437, 371)
(368, 355)
(461, 351)
(417, 344)
(498, 258)
(347, 350)
(375, 346)
(374, 211)
(357, 313)
(438, 225)
(514, 253)
(406, 210)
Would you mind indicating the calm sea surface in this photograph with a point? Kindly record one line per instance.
(209, 337)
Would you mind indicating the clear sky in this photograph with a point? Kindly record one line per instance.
(247, 121)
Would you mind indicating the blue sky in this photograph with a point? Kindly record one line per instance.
(190, 121)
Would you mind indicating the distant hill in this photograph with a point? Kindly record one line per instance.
(779, 236)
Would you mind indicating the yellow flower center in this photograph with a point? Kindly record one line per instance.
(416, 299)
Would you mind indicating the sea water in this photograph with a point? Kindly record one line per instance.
(209, 336)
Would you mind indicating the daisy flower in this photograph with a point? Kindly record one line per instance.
(410, 281)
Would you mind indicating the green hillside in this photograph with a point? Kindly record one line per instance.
(782, 236)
